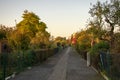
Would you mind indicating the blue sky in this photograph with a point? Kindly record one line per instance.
(63, 17)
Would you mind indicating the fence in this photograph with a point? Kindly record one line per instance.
(108, 64)
(115, 67)
(18, 61)
(105, 62)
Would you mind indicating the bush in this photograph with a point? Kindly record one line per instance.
(29, 58)
(1, 75)
(82, 49)
(95, 50)
(18, 61)
(101, 46)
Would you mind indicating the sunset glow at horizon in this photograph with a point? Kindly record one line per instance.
(63, 17)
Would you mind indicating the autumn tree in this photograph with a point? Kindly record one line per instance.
(17, 40)
(30, 23)
(29, 31)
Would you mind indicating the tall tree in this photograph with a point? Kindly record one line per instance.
(29, 31)
(30, 23)
(107, 12)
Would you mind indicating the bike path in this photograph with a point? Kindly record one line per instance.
(65, 65)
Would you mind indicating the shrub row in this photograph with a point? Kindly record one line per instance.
(18, 61)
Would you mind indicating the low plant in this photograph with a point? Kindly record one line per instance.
(101, 46)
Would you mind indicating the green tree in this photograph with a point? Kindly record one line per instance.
(107, 12)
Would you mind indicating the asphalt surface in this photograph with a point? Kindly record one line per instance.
(65, 65)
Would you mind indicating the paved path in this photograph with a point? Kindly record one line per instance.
(67, 65)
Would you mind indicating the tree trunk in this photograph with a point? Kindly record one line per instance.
(111, 32)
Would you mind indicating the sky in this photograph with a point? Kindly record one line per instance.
(63, 17)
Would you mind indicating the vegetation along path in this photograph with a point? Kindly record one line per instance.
(66, 65)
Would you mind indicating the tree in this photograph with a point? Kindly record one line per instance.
(29, 31)
(60, 40)
(84, 40)
(4, 31)
(30, 23)
(18, 40)
(107, 12)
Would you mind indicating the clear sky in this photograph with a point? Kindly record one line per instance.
(63, 17)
